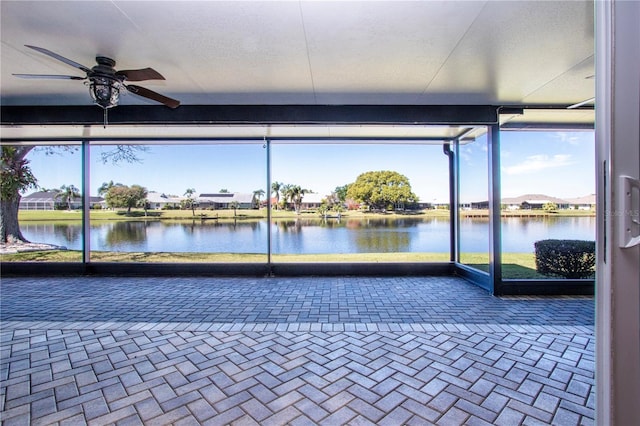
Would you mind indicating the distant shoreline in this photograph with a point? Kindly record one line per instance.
(138, 214)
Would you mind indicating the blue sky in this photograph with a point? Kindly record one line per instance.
(559, 164)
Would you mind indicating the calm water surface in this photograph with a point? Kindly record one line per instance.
(310, 235)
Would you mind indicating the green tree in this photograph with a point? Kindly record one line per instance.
(341, 192)
(15, 177)
(143, 203)
(224, 191)
(337, 198)
(257, 195)
(550, 207)
(106, 186)
(287, 194)
(326, 206)
(276, 187)
(379, 189)
(323, 209)
(68, 193)
(234, 205)
(190, 202)
(296, 194)
(126, 197)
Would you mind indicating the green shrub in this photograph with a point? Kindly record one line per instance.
(566, 258)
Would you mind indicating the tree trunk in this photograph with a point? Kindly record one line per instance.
(9, 226)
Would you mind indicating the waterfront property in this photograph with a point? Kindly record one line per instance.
(453, 76)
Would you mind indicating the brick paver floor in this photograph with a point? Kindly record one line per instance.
(274, 351)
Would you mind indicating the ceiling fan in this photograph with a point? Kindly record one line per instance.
(105, 83)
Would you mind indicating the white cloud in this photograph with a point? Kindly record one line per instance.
(566, 137)
(466, 154)
(536, 163)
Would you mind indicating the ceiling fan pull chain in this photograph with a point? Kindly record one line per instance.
(105, 117)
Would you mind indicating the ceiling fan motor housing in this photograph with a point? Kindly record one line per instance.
(105, 84)
(105, 68)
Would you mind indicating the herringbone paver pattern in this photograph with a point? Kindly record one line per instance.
(123, 370)
(281, 300)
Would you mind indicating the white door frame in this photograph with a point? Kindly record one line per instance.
(618, 268)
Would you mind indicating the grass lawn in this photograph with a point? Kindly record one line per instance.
(100, 256)
(515, 265)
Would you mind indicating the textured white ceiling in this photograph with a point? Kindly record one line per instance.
(299, 52)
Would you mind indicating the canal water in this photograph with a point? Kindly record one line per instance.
(310, 235)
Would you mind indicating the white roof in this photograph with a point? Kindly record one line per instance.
(158, 197)
(313, 198)
(224, 198)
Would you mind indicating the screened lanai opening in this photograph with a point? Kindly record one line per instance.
(253, 194)
(286, 199)
(201, 203)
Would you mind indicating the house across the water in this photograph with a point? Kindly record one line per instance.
(223, 200)
(53, 200)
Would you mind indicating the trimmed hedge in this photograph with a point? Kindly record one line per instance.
(566, 258)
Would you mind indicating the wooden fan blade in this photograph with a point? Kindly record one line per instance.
(50, 76)
(60, 58)
(140, 75)
(150, 94)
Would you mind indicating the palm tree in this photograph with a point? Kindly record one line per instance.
(293, 193)
(275, 189)
(68, 193)
(190, 201)
(303, 192)
(234, 205)
(287, 194)
(258, 193)
(105, 187)
(144, 203)
(296, 194)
